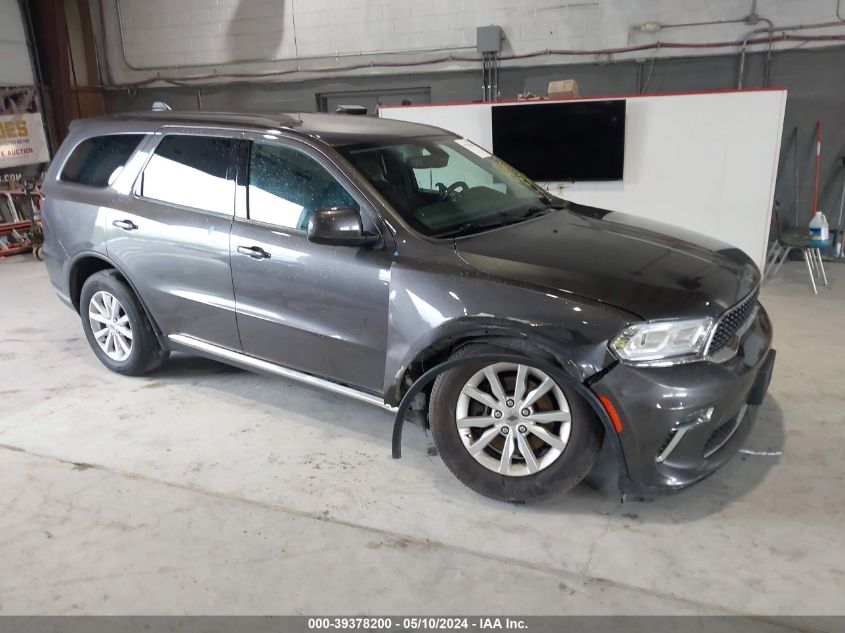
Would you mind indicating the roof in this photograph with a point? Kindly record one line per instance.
(345, 129)
(334, 129)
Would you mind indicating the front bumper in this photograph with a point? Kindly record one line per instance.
(667, 439)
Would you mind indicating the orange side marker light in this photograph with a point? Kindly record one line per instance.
(611, 411)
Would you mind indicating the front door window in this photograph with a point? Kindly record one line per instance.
(286, 186)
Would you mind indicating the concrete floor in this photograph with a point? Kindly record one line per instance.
(205, 489)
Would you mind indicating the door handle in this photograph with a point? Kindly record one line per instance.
(126, 225)
(256, 252)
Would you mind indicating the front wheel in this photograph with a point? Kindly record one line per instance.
(510, 431)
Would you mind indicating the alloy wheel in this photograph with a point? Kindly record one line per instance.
(110, 325)
(513, 419)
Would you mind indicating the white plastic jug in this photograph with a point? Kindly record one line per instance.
(819, 232)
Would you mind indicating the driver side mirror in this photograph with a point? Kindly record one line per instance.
(339, 226)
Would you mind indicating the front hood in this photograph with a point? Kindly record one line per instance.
(650, 269)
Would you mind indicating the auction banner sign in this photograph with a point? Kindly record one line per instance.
(22, 140)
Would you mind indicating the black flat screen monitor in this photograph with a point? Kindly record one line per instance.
(569, 141)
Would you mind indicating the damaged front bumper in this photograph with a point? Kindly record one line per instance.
(681, 423)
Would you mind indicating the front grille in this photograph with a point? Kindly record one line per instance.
(732, 321)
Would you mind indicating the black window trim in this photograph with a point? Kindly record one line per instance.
(160, 135)
(145, 136)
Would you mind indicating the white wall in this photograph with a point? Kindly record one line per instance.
(704, 162)
(15, 69)
(166, 36)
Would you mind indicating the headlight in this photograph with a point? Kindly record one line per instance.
(670, 341)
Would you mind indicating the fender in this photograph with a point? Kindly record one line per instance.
(552, 370)
(450, 333)
(72, 264)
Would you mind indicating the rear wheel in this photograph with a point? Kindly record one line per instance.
(510, 431)
(116, 326)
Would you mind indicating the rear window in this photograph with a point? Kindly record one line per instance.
(98, 160)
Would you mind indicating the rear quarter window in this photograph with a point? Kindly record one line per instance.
(96, 160)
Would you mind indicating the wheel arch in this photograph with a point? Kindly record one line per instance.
(85, 264)
(440, 343)
(431, 357)
(426, 380)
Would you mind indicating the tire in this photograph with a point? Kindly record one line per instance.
(560, 469)
(145, 354)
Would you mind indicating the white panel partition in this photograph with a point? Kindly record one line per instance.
(15, 69)
(703, 161)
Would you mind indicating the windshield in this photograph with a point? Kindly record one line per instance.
(446, 187)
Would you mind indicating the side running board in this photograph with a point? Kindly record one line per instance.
(263, 366)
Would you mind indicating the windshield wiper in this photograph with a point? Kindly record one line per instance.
(470, 227)
(473, 227)
(551, 201)
(532, 212)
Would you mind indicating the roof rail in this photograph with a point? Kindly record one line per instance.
(160, 106)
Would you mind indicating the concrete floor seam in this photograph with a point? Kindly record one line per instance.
(587, 579)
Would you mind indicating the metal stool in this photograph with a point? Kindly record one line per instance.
(785, 244)
(812, 257)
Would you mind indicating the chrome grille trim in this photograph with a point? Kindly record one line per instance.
(674, 438)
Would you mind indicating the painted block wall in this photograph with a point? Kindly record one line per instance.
(806, 74)
(168, 37)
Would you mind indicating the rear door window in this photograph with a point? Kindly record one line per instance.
(98, 160)
(192, 171)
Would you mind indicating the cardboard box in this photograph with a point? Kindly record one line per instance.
(563, 88)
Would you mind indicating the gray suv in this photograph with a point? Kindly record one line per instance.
(405, 267)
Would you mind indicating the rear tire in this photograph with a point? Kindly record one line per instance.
(561, 452)
(116, 326)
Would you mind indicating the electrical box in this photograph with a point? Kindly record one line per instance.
(488, 39)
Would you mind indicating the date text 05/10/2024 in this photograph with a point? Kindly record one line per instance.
(429, 623)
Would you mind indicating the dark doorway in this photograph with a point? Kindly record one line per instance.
(329, 101)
